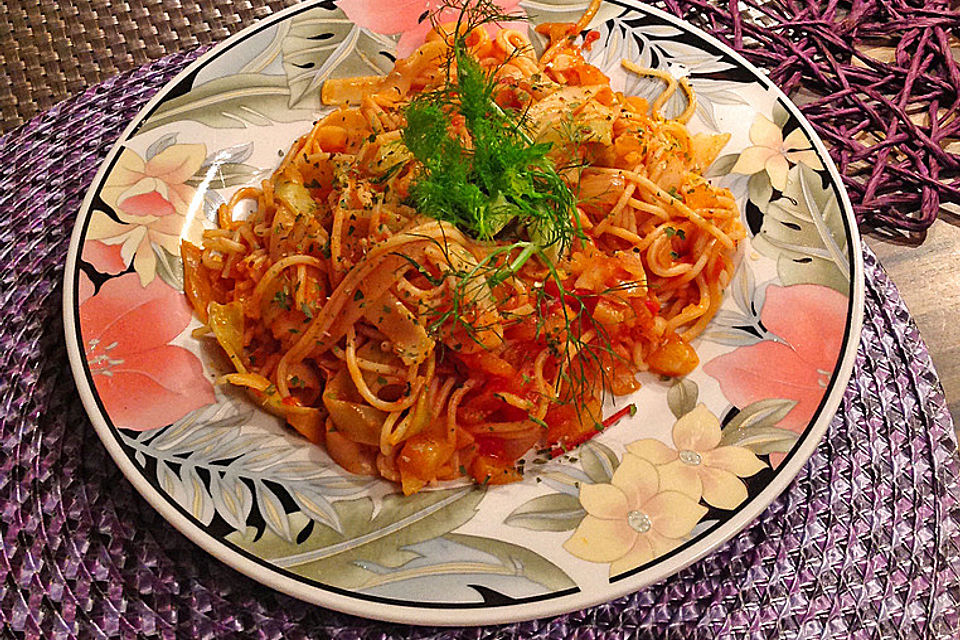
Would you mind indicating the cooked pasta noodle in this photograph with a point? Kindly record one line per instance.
(415, 351)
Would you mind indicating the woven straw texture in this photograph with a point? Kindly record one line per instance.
(50, 50)
(864, 543)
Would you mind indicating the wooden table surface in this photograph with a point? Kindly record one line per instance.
(927, 272)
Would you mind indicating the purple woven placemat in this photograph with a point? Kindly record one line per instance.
(864, 543)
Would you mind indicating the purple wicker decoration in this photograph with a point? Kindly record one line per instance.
(864, 543)
(880, 85)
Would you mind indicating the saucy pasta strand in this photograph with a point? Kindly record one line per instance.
(410, 349)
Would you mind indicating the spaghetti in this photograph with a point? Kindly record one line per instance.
(420, 350)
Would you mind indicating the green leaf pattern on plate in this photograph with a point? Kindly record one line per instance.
(315, 46)
(599, 462)
(169, 267)
(552, 512)
(803, 231)
(521, 560)
(754, 427)
(238, 101)
(212, 439)
(321, 45)
(370, 533)
(682, 397)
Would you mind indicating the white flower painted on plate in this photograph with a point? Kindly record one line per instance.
(774, 154)
(631, 520)
(698, 466)
(153, 204)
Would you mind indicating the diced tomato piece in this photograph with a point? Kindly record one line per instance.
(490, 363)
(488, 446)
(589, 39)
(587, 75)
(525, 331)
(489, 405)
(555, 30)
(563, 423)
(673, 358)
(421, 457)
(489, 470)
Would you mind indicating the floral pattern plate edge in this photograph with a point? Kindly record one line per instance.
(702, 459)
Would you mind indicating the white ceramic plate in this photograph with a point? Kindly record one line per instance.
(701, 459)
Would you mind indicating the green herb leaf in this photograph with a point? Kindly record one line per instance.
(280, 299)
(502, 175)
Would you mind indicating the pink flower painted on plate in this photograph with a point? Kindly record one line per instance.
(85, 288)
(410, 18)
(810, 319)
(105, 258)
(144, 382)
(155, 187)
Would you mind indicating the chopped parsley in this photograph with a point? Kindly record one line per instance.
(680, 233)
(538, 421)
(281, 299)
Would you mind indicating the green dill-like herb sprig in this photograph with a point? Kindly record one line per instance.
(494, 175)
(483, 181)
(582, 364)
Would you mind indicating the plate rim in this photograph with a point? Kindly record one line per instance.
(457, 614)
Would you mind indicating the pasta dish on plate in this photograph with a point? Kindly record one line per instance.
(459, 262)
